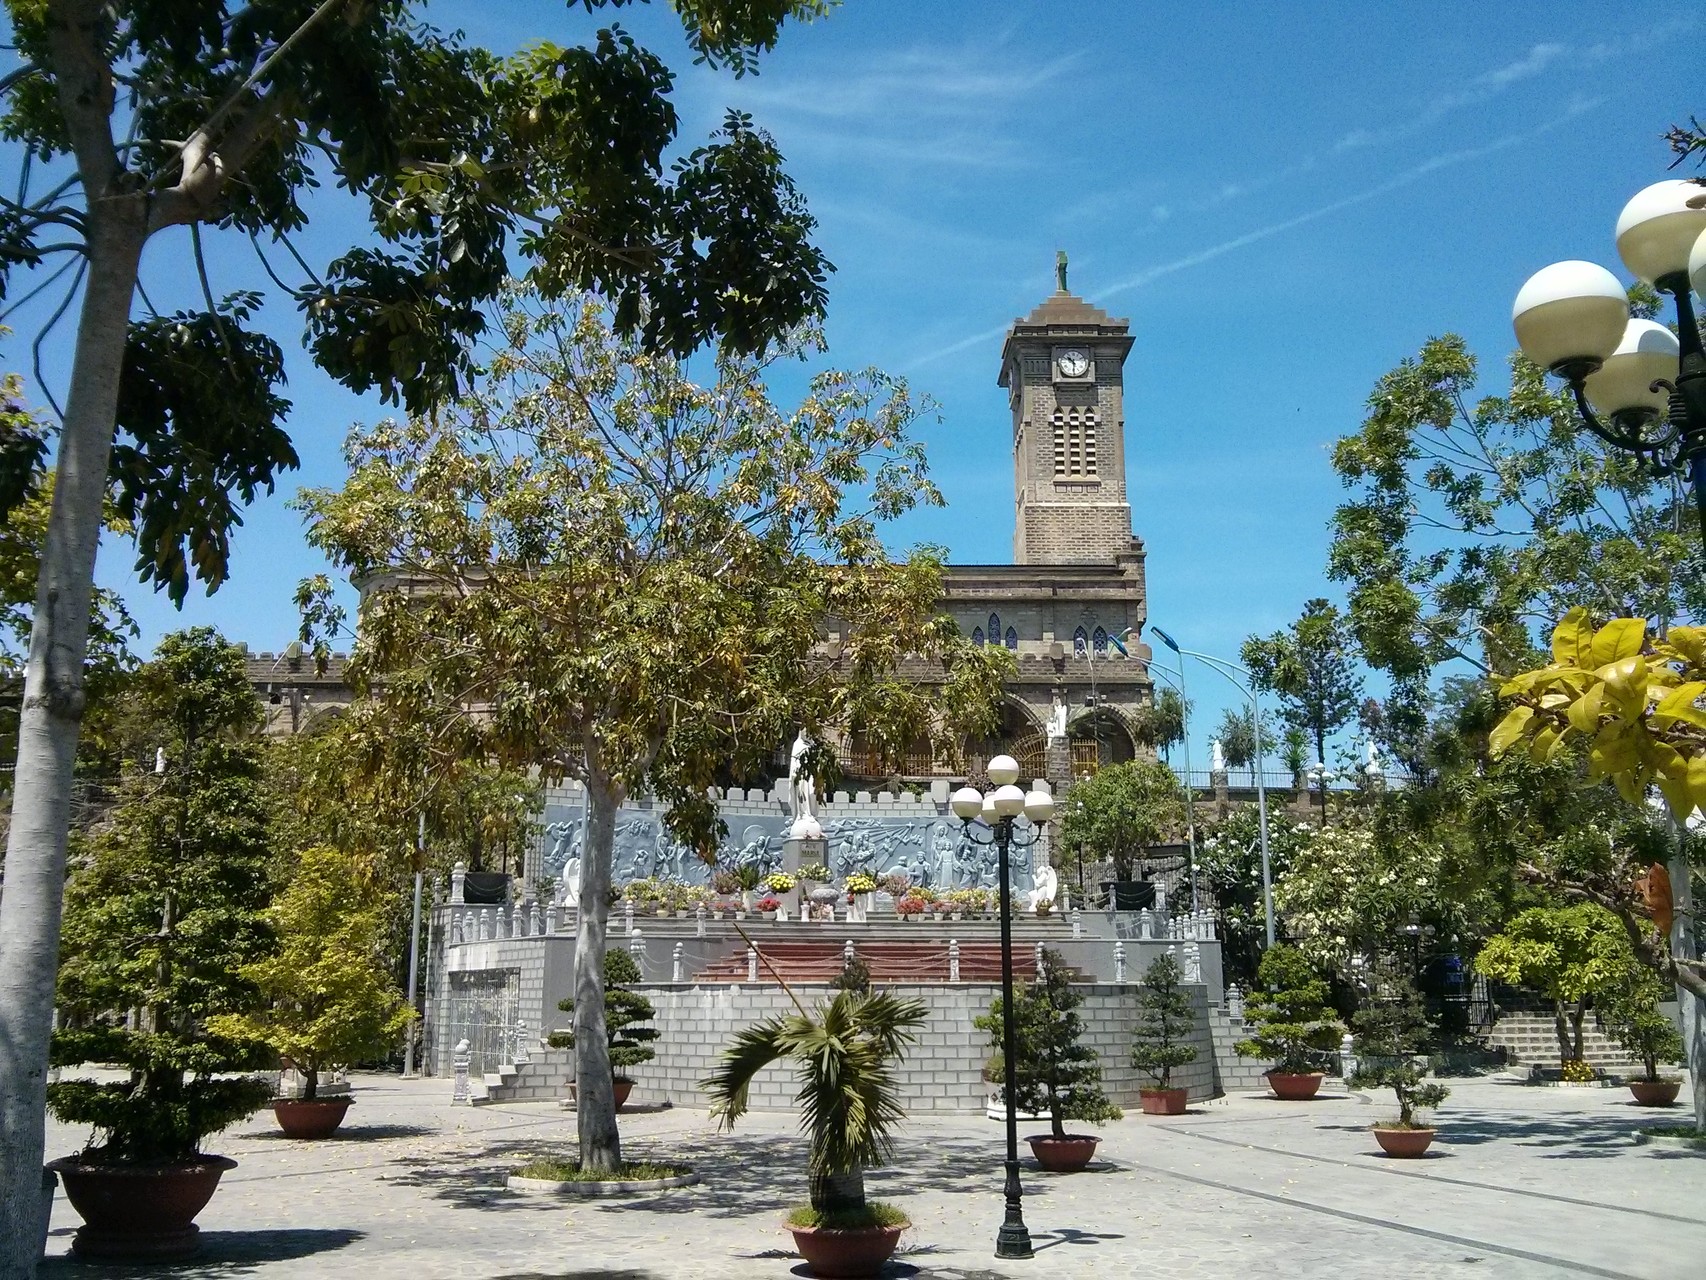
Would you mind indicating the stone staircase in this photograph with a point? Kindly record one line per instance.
(889, 961)
(1528, 1036)
(542, 1077)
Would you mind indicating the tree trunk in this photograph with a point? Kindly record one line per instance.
(1684, 946)
(1561, 1028)
(595, 1094)
(1578, 1014)
(48, 724)
(838, 1192)
(310, 1084)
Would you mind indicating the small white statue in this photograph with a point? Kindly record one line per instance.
(1372, 768)
(802, 792)
(572, 883)
(1216, 757)
(1047, 885)
(1057, 720)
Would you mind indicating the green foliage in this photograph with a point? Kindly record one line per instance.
(1569, 954)
(1633, 1018)
(165, 914)
(844, 1055)
(875, 1214)
(330, 1000)
(1293, 1025)
(1312, 666)
(1237, 734)
(1160, 724)
(1121, 810)
(1053, 1072)
(1164, 1021)
(1390, 1032)
(1229, 860)
(624, 1013)
(855, 976)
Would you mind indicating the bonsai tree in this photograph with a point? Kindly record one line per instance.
(1570, 955)
(625, 1012)
(164, 915)
(1390, 1033)
(1293, 1022)
(1164, 1020)
(844, 1053)
(1634, 1021)
(1122, 810)
(330, 998)
(1053, 1072)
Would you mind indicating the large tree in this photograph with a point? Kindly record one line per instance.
(1313, 667)
(1122, 810)
(591, 566)
(157, 121)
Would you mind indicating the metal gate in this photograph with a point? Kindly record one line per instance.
(484, 1008)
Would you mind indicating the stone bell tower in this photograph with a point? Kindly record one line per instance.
(1063, 367)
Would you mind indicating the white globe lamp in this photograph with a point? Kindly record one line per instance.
(1039, 806)
(1657, 228)
(1570, 311)
(966, 803)
(1623, 383)
(1009, 800)
(1003, 771)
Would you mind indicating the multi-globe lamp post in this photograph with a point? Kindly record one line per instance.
(1000, 810)
(1637, 386)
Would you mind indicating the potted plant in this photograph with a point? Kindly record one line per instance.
(1045, 908)
(860, 887)
(1390, 1033)
(844, 1053)
(1634, 1020)
(910, 907)
(1053, 1071)
(330, 998)
(768, 907)
(725, 882)
(1293, 1025)
(1122, 810)
(815, 873)
(1164, 1023)
(748, 877)
(162, 915)
(896, 884)
(624, 1013)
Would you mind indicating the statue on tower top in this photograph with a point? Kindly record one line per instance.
(1060, 270)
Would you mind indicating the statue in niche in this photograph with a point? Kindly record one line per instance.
(802, 792)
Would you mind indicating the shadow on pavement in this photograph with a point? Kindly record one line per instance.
(1568, 1136)
(350, 1133)
(223, 1253)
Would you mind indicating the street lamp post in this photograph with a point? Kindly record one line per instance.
(999, 811)
(1637, 386)
(1185, 736)
(1220, 667)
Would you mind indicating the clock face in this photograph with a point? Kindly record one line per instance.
(1073, 363)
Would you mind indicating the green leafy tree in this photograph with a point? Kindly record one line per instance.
(552, 585)
(330, 999)
(1165, 1021)
(1237, 735)
(1229, 860)
(1053, 1070)
(1390, 1032)
(1293, 1025)
(1160, 724)
(1122, 810)
(844, 1054)
(1570, 955)
(152, 121)
(164, 918)
(1313, 667)
(1632, 1016)
(628, 1040)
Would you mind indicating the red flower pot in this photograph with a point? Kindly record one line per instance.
(1404, 1144)
(1162, 1102)
(621, 1087)
(1064, 1155)
(861, 1251)
(1295, 1088)
(310, 1118)
(139, 1213)
(1655, 1093)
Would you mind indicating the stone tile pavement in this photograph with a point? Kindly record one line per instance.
(1528, 1182)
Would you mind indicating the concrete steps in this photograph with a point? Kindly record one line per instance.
(1530, 1040)
(888, 960)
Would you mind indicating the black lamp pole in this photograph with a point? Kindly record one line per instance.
(1013, 1240)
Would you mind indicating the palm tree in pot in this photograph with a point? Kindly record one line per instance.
(844, 1053)
(1164, 1022)
(1053, 1071)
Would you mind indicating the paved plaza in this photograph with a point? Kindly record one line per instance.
(1528, 1182)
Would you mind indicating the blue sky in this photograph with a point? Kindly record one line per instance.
(1285, 200)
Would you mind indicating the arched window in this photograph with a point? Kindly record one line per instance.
(1080, 642)
(1100, 640)
(995, 628)
(977, 635)
(1012, 639)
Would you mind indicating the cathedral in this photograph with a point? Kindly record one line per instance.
(1071, 606)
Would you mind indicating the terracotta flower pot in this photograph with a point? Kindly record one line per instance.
(1162, 1102)
(139, 1213)
(310, 1118)
(622, 1088)
(1404, 1144)
(1289, 1087)
(858, 1252)
(1064, 1155)
(1655, 1093)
